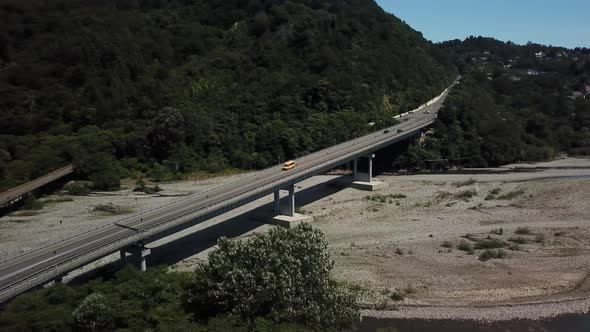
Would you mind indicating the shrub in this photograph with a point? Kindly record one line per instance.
(540, 238)
(466, 195)
(491, 254)
(283, 276)
(397, 296)
(490, 244)
(399, 251)
(465, 246)
(523, 231)
(512, 194)
(497, 231)
(77, 189)
(519, 240)
(466, 183)
(32, 203)
(447, 244)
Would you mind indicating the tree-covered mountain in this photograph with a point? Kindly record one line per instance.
(127, 86)
(516, 103)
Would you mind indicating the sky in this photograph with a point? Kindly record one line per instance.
(551, 22)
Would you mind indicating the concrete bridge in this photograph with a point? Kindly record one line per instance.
(19, 193)
(130, 235)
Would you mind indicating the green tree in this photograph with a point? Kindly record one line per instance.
(283, 276)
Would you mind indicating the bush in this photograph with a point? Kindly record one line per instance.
(497, 231)
(519, 240)
(77, 189)
(491, 254)
(540, 238)
(465, 246)
(466, 183)
(523, 231)
(490, 244)
(466, 195)
(32, 203)
(283, 276)
(447, 244)
(512, 194)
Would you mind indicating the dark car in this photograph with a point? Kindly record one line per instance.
(386, 131)
(400, 131)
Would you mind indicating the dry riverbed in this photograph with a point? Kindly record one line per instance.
(412, 250)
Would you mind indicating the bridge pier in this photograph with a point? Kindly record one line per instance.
(364, 180)
(287, 217)
(139, 253)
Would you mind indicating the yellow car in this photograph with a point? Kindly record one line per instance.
(289, 165)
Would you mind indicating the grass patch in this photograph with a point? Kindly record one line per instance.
(540, 238)
(24, 213)
(497, 231)
(443, 194)
(397, 296)
(490, 244)
(60, 199)
(447, 244)
(378, 198)
(519, 240)
(466, 195)
(514, 247)
(492, 194)
(492, 254)
(523, 231)
(512, 194)
(465, 246)
(466, 183)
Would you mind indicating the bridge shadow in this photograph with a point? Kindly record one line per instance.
(203, 239)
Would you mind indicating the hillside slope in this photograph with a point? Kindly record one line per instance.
(122, 87)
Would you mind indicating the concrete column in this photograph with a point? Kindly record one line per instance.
(123, 254)
(139, 253)
(291, 211)
(355, 167)
(277, 203)
(370, 171)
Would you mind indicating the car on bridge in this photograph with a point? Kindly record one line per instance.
(400, 131)
(386, 131)
(289, 165)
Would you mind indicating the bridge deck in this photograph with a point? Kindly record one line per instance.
(18, 192)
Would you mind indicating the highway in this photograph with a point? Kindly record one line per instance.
(42, 265)
(15, 193)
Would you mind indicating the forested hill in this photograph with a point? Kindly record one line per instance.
(515, 103)
(129, 86)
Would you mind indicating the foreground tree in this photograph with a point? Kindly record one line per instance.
(283, 276)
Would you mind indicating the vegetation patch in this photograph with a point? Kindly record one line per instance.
(218, 296)
(447, 244)
(519, 240)
(469, 182)
(497, 231)
(59, 199)
(490, 244)
(512, 194)
(465, 246)
(493, 194)
(466, 195)
(378, 198)
(523, 231)
(492, 254)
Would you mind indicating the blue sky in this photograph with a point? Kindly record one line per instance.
(559, 23)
